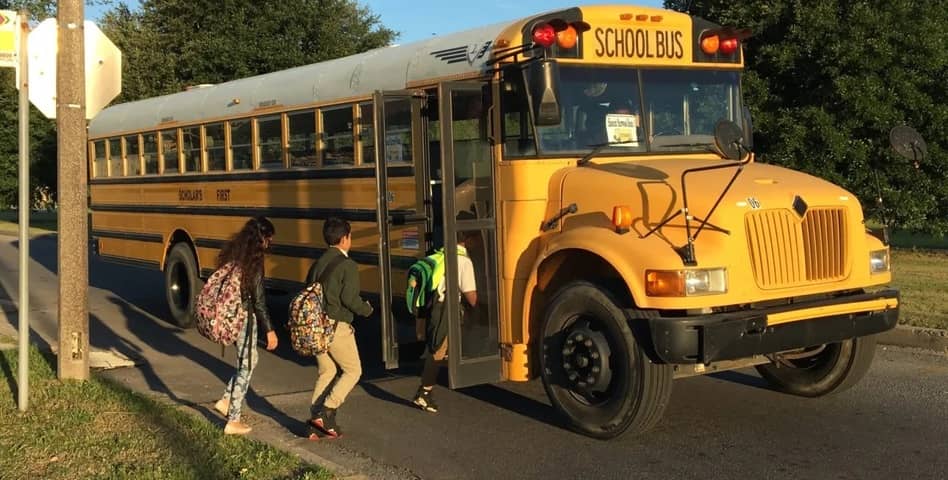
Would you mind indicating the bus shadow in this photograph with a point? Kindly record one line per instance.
(514, 402)
(741, 378)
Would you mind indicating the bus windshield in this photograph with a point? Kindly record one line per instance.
(640, 110)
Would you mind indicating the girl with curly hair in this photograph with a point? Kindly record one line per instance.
(246, 251)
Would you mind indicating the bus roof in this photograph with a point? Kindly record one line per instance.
(386, 68)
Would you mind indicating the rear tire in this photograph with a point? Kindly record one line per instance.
(594, 371)
(836, 368)
(182, 284)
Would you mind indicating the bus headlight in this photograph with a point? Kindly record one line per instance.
(879, 261)
(685, 283)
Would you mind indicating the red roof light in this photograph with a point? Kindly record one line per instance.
(544, 35)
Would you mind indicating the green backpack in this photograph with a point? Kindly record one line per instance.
(423, 279)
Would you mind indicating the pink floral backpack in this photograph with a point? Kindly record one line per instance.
(219, 309)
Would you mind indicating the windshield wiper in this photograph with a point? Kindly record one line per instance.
(598, 148)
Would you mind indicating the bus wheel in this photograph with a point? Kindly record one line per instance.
(822, 370)
(594, 371)
(182, 284)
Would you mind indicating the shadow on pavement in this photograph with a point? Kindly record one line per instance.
(742, 379)
(519, 404)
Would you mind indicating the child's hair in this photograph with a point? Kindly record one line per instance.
(246, 248)
(334, 229)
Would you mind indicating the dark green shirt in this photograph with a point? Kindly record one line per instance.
(341, 287)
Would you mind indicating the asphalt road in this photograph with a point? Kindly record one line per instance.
(894, 424)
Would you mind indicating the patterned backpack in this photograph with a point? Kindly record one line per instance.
(219, 309)
(311, 329)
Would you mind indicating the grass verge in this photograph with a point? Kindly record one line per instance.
(922, 278)
(98, 429)
(40, 222)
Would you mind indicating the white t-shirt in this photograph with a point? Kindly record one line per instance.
(466, 282)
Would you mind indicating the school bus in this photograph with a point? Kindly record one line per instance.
(600, 157)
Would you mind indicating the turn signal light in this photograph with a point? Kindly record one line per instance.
(544, 35)
(567, 37)
(664, 283)
(710, 44)
(622, 218)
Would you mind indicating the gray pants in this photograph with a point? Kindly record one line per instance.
(246, 361)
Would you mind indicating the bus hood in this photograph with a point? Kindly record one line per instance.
(653, 191)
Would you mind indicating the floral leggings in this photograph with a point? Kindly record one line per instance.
(246, 361)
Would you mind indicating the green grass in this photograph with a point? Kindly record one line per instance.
(922, 278)
(98, 429)
(40, 222)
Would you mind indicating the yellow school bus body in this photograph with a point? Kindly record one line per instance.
(792, 249)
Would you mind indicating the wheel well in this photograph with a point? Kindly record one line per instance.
(177, 237)
(568, 266)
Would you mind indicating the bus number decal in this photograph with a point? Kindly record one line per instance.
(638, 42)
(223, 195)
(189, 195)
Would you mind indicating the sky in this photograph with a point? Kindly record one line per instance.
(420, 19)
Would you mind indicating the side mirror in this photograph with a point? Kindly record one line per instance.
(907, 142)
(543, 83)
(729, 140)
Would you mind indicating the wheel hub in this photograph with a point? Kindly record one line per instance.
(586, 359)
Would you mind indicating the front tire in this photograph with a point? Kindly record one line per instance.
(182, 284)
(594, 371)
(833, 368)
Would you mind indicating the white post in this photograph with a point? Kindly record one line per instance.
(23, 387)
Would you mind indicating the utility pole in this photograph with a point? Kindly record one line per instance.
(73, 261)
(23, 305)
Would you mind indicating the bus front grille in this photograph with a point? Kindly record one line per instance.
(786, 251)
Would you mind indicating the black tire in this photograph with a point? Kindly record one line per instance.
(834, 369)
(182, 284)
(584, 330)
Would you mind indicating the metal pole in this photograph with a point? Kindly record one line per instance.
(73, 361)
(23, 310)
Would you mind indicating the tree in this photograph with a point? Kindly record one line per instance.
(171, 44)
(42, 130)
(827, 79)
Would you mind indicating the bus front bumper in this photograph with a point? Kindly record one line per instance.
(733, 335)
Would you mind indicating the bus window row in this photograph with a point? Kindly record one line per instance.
(341, 136)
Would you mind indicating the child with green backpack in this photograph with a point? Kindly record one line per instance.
(427, 287)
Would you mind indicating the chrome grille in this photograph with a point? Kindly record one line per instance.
(785, 251)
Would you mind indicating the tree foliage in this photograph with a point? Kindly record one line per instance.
(826, 81)
(170, 44)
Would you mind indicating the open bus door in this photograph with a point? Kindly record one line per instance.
(469, 212)
(404, 219)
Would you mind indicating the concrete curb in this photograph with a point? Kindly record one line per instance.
(916, 337)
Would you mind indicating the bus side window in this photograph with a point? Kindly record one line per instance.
(191, 139)
(240, 144)
(338, 138)
(100, 167)
(115, 158)
(214, 147)
(132, 159)
(270, 141)
(302, 132)
(169, 151)
(150, 153)
(518, 138)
